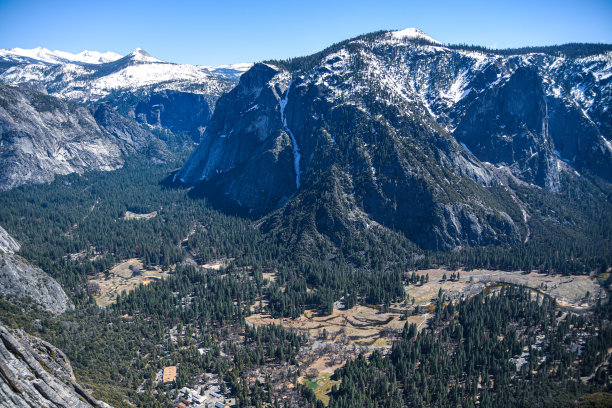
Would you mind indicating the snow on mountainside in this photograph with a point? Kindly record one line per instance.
(49, 72)
(159, 94)
(43, 55)
(141, 55)
(454, 86)
(412, 34)
(231, 71)
(354, 134)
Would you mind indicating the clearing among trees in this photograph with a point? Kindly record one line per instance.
(125, 276)
(135, 216)
(576, 291)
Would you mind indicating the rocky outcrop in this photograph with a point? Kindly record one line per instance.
(22, 281)
(244, 143)
(8, 244)
(509, 126)
(35, 374)
(122, 128)
(132, 137)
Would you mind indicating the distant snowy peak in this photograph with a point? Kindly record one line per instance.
(141, 55)
(412, 34)
(243, 66)
(231, 71)
(45, 56)
(95, 57)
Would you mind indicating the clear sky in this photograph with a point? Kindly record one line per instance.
(221, 32)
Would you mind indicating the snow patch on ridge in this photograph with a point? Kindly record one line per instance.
(412, 34)
(141, 55)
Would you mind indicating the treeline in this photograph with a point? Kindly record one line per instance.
(571, 50)
(308, 62)
(570, 232)
(330, 282)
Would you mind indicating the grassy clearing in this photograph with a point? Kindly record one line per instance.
(218, 265)
(578, 292)
(125, 276)
(135, 216)
(361, 325)
(322, 386)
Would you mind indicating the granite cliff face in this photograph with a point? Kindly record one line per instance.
(35, 374)
(277, 141)
(175, 97)
(389, 130)
(22, 281)
(41, 136)
(180, 112)
(8, 245)
(509, 126)
(244, 143)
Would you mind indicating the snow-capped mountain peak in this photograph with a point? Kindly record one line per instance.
(141, 55)
(45, 56)
(95, 57)
(38, 53)
(412, 34)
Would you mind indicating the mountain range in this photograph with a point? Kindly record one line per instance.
(389, 131)
(393, 130)
(143, 88)
(89, 111)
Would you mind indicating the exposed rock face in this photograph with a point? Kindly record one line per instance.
(130, 136)
(180, 112)
(122, 128)
(35, 374)
(509, 126)
(20, 280)
(403, 134)
(344, 167)
(244, 143)
(176, 97)
(7, 243)
(41, 136)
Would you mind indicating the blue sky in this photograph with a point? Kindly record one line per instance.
(220, 32)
